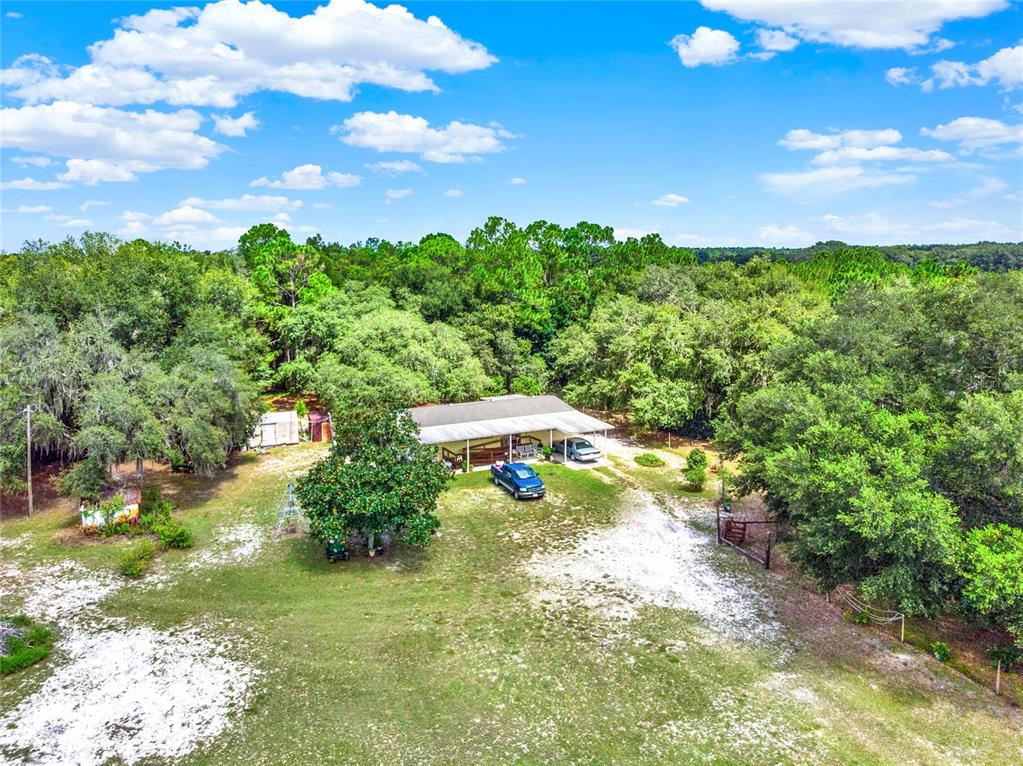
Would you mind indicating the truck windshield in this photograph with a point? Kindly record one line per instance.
(524, 473)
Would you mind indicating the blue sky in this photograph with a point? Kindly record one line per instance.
(726, 122)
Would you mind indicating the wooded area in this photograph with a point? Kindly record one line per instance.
(874, 396)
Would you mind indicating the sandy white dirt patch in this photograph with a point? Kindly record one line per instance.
(128, 695)
(60, 592)
(653, 558)
(8, 543)
(234, 545)
(121, 694)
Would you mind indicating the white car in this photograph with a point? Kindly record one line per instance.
(578, 449)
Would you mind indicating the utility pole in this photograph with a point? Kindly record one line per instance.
(28, 452)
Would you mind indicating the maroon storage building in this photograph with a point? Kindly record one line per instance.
(319, 427)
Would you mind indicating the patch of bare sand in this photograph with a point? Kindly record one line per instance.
(653, 558)
(290, 461)
(117, 693)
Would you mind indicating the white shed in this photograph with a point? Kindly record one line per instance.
(274, 429)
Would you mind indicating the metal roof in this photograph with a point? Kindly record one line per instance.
(499, 417)
(283, 416)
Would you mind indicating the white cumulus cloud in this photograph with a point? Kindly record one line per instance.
(393, 132)
(31, 184)
(861, 24)
(106, 143)
(776, 40)
(235, 126)
(92, 172)
(792, 236)
(705, 46)
(801, 138)
(263, 203)
(395, 167)
(973, 133)
(309, 177)
(185, 214)
(853, 154)
(214, 55)
(832, 181)
(28, 209)
(670, 200)
(393, 194)
(35, 161)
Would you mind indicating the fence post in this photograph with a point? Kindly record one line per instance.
(718, 524)
(998, 678)
(903, 635)
(767, 558)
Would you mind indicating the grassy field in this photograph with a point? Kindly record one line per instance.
(460, 655)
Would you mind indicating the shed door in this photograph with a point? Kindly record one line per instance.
(269, 434)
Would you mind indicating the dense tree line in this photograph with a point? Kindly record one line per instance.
(875, 396)
(987, 256)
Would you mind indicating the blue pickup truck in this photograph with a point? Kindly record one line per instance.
(518, 479)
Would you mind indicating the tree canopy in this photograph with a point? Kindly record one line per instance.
(872, 394)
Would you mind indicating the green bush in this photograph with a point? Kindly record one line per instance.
(860, 618)
(548, 453)
(301, 408)
(174, 535)
(30, 643)
(941, 651)
(649, 460)
(696, 458)
(153, 509)
(1007, 655)
(134, 561)
(695, 478)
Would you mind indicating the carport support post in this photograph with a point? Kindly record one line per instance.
(565, 445)
(468, 465)
(509, 447)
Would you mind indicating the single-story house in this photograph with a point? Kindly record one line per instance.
(501, 427)
(275, 429)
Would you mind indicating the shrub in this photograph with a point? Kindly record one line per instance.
(301, 408)
(941, 651)
(154, 509)
(24, 641)
(548, 453)
(697, 458)
(860, 617)
(134, 561)
(649, 460)
(696, 469)
(695, 478)
(174, 535)
(1007, 655)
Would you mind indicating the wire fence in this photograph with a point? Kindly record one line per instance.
(878, 616)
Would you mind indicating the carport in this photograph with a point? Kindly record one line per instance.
(502, 428)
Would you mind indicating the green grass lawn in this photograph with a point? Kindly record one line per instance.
(444, 656)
